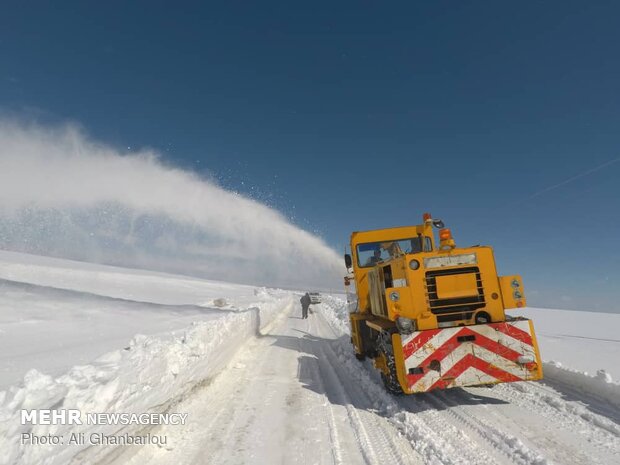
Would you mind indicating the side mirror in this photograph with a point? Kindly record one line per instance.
(347, 260)
(438, 224)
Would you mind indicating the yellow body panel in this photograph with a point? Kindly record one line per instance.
(539, 363)
(454, 286)
(358, 324)
(400, 362)
(512, 291)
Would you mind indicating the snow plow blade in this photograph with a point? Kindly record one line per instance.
(467, 356)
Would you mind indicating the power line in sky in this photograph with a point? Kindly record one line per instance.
(573, 178)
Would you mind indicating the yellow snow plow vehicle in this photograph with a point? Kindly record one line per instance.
(431, 316)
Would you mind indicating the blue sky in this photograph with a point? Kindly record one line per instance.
(355, 115)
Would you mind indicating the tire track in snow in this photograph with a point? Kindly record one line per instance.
(510, 446)
(329, 411)
(224, 419)
(374, 423)
(366, 447)
(469, 451)
(330, 418)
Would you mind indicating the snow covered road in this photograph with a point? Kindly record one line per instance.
(286, 399)
(297, 395)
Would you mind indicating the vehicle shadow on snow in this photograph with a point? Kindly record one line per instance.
(446, 399)
(325, 369)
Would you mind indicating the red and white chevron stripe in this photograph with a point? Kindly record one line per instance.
(470, 355)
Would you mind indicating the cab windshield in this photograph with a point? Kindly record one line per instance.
(371, 253)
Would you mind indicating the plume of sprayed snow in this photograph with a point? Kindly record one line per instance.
(64, 195)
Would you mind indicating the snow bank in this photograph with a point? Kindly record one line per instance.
(600, 386)
(150, 375)
(336, 313)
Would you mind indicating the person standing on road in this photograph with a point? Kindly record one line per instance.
(305, 303)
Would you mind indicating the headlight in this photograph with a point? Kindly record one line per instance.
(482, 318)
(414, 264)
(405, 325)
(394, 296)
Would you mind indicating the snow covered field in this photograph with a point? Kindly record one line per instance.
(58, 313)
(260, 385)
(586, 341)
